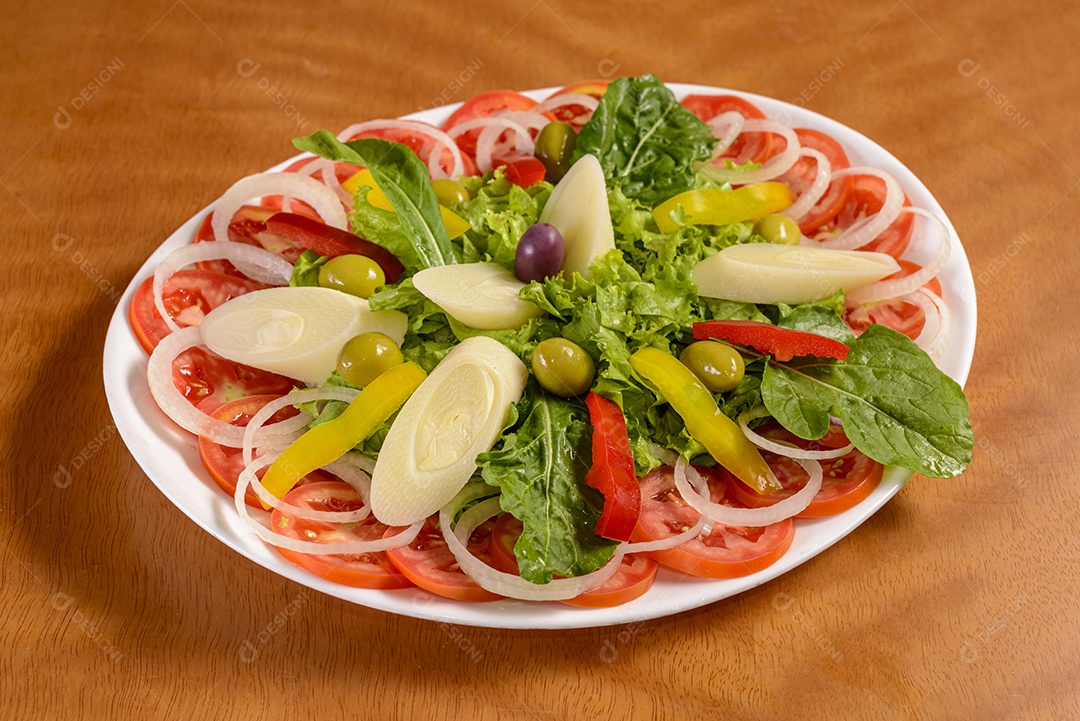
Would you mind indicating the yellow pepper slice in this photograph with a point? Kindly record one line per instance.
(712, 206)
(455, 224)
(331, 440)
(720, 435)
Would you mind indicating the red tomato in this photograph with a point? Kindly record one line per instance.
(249, 226)
(189, 295)
(727, 552)
(210, 381)
(521, 169)
(756, 147)
(802, 175)
(866, 197)
(342, 171)
(903, 317)
(634, 577)
(361, 570)
(577, 115)
(225, 463)
(482, 106)
(429, 563)
(846, 481)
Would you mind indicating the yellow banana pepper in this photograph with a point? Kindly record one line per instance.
(712, 206)
(720, 435)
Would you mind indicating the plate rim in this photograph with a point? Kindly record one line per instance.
(659, 601)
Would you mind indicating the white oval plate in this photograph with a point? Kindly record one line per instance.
(170, 456)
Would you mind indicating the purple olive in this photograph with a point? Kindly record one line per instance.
(540, 253)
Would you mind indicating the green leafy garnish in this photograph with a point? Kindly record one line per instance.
(646, 141)
(404, 179)
(306, 270)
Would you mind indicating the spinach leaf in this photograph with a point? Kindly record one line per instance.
(404, 179)
(540, 468)
(896, 405)
(818, 319)
(646, 142)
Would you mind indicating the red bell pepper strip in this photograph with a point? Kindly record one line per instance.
(330, 241)
(783, 344)
(521, 169)
(612, 471)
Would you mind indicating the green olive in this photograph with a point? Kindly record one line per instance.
(563, 368)
(449, 192)
(356, 275)
(777, 228)
(554, 147)
(719, 367)
(366, 357)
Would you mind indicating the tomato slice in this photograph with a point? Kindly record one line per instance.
(360, 570)
(634, 577)
(225, 463)
(866, 198)
(803, 173)
(429, 563)
(727, 552)
(846, 481)
(210, 381)
(521, 169)
(189, 295)
(421, 144)
(482, 106)
(756, 147)
(578, 115)
(248, 226)
(901, 316)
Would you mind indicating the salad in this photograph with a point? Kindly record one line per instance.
(547, 348)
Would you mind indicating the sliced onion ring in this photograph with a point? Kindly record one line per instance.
(306, 395)
(936, 327)
(886, 289)
(442, 142)
(326, 170)
(187, 416)
(726, 128)
(257, 263)
(817, 189)
(527, 119)
(310, 547)
(755, 517)
(785, 449)
(491, 129)
(870, 227)
(561, 101)
(773, 167)
(294, 185)
(507, 584)
(343, 471)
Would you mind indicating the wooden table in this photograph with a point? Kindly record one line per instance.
(120, 120)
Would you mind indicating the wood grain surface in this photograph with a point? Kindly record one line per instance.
(120, 120)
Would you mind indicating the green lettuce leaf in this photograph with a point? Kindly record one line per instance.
(896, 405)
(306, 269)
(540, 466)
(646, 141)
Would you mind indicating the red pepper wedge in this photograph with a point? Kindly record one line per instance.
(782, 344)
(612, 471)
(330, 241)
(521, 169)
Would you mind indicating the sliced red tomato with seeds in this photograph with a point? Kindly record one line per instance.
(188, 295)
(846, 481)
(485, 105)
(804, 172)
(210, 381)
(224, 463)
(578, 115)
(249, 226)
(635, 575)
(748, 147)
(430, 564)
(727, 552)
(867, 196)
(360, 570)
(901, 316)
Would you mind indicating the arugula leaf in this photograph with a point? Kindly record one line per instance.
(646, 142)
(896, 405)
(540, 467)
(306, 270)
(405, 180)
